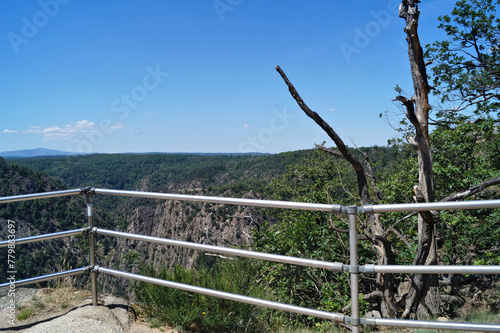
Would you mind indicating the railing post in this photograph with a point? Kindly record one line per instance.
(354, 268)
(90, 217)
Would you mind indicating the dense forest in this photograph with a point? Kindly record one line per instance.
(449, 151)
(307, 176)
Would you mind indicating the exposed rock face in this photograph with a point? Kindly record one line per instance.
(89, 318)
(211, 224)
(112, 315)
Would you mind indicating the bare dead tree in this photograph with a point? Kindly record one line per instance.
(423, 297)
(374, 232)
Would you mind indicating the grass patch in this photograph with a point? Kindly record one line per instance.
(482, 316)
(476, 316)
(38, 304)
(155, 323)
(193, 312)
(26, 313)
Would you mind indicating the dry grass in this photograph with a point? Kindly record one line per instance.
(60, 295)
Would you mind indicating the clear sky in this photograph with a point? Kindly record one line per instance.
(199, 75)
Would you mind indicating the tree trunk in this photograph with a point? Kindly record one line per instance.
(385, 283)
(423, 297)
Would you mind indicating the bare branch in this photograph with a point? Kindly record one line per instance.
(330, 151)
(343, 231)
(397, 233)
(343, 187)
(493, 249)
(374, 294)
(472, 190)
(371, 174)
(410, 109)
(402, 219)
(362, 182)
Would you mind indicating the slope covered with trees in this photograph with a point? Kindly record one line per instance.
(457, 160)
(39, 217)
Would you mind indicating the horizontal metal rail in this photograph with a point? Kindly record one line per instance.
(430, 269)
(223, 200)
(435, 325)
(354, 269)
(337, 317)
(46, 195)
(426, 206)
(38, 238)
(47, 277)
(462, 205)
(334, 266)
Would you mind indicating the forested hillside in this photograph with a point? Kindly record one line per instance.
(38, 217)
(214, 175)
(463, 160)
(161, 171)
(238, 176)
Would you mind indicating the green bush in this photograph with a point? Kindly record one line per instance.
(197, 312)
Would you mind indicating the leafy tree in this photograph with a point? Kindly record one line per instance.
(466, 66)
(306, 234)
(423, 297)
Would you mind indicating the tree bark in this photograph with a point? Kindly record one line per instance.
(385, 283)
(423, 297)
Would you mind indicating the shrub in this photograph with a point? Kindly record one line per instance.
(198, 312)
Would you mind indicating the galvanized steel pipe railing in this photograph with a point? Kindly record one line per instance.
(225, 200)
(45, 195)
(334, 266)
(37, 238)
(433, 325)
(336, 317)
(336, 208)
(93, 278)
(427, 206)
(430, 269)
(47, 277)
(353, 269)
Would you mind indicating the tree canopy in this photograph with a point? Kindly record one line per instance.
(466, 66)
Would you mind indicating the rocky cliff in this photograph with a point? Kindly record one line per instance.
(211, 224)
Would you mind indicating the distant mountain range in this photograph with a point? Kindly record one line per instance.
(34, 153)
(39, 152)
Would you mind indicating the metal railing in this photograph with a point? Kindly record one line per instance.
(354, 269)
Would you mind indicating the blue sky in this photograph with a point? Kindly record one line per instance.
(199, 75)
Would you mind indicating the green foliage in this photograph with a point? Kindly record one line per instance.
(41, 217)
(467, 155)
(485, 316)
(318, 178)
(466, 64)
(202, 313)
(162, 171)
(26, 313)
(464, 154)
(131, 258)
